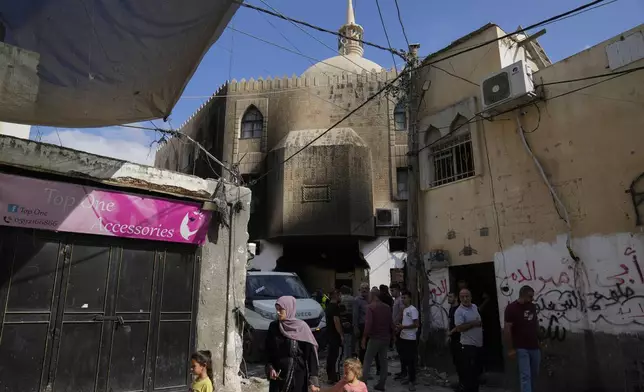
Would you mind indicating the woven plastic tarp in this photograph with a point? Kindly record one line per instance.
(90, 63)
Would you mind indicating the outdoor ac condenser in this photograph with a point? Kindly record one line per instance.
(509, 88)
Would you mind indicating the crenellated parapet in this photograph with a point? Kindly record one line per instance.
(262, 85)
(270, 84)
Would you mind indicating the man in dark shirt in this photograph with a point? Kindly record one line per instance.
(522, 337)
(453, 336)
(385, 296)
(335, 337)
(378, 331)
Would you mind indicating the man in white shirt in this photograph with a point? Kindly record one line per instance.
(397, 319)
(407, 331)
(468, 323)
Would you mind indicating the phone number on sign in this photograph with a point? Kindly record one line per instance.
(23, 221)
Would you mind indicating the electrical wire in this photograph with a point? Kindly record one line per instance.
(581, 12)
(318, 28)
(576, 13)
(497, 224)
(393, 81)
(480, 114)
(570, 13)
(384, 28)
(300, 54)
(284, 36)
(518, 31)
(627, 71)
(402, 25)
(316, 38)
(289, 50)
(456, 76)
(363, 104)
(559, 203)
(179, 135)
(538, 120)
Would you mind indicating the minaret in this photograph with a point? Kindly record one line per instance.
(353, 30)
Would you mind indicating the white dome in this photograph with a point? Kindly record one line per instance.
(352, 63)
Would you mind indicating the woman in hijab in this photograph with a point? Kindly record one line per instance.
(292, 352)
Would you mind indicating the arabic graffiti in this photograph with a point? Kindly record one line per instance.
(529, 275)
(631, 252)
(608, 295)
(553, 331)
(439, 290)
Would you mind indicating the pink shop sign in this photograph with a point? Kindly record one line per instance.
(48, 205)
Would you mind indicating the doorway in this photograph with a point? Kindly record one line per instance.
(89, 313)
(481, 281)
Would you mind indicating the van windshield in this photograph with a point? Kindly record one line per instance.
(274, 286)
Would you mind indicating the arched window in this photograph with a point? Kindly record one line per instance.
(252, 124)
(451, 157)
(400, 117)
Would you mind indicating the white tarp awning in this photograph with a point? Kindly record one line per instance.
(90, 63)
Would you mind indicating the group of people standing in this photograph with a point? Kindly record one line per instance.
(465, 338)
(375, 320)
(365, 327)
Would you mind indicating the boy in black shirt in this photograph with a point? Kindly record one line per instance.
(335, 337)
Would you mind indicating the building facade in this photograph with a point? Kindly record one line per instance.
(547, 195)
(117, 263)
(327, 204)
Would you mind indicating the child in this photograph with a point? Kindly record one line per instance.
(350, 382)
(201, 362)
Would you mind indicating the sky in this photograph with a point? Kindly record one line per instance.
(432, 23)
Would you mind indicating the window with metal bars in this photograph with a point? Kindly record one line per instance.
(452, 159)
(252, 124)
(400, 117)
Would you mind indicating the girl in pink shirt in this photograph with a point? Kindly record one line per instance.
(350, 382)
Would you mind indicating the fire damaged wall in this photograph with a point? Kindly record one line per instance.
(325, 190)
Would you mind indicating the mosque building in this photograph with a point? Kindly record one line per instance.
(335, 211)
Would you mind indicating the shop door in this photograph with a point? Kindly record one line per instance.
(95, 314)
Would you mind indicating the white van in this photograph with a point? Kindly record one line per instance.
(263, 288)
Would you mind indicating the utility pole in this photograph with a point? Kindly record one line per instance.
(413, 259)
(417, 284)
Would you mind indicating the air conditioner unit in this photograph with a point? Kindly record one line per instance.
(507, 89)
(387, 217)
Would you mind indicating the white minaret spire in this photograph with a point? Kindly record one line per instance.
(351, 16)
(351, 29)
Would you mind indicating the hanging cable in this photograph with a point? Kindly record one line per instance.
(363, 104)
(480, 114)
(289, 50)
(317, 39)
(518, 31)
(284, 36)
(402, 25)
(180, 135)
(318, 28)
(384, 28)
(393, 81)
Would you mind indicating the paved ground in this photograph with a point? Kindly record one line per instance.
(429, 380)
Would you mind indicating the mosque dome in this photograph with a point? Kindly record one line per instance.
(352, 63)
(351, 51)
